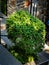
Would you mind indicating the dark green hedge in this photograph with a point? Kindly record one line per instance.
(4, 6)
(27, 32)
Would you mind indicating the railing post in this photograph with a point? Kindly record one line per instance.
(31, 7)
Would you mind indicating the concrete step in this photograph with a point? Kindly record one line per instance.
(3, 43)
(5, 40)
(3, 26)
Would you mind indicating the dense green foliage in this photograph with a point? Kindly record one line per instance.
(20, 55)
(27, 33)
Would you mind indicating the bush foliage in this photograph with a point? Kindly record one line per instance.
(27, 32)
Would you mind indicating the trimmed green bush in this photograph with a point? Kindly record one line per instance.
(26, 32)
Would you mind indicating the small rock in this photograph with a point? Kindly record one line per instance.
(30, 63)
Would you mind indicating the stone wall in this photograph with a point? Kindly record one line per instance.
(14, 5)
(11, 6)
(41, 8)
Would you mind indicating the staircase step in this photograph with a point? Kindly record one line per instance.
(4, 39)
(3, 42)
(3, 26)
